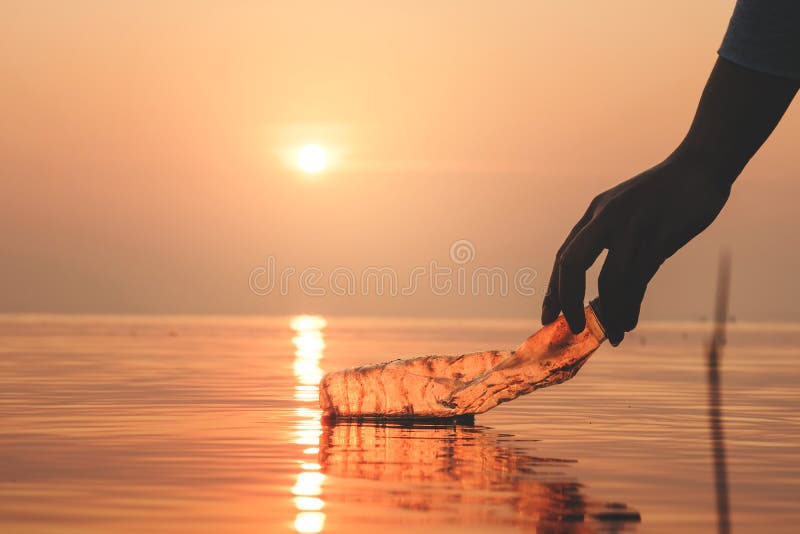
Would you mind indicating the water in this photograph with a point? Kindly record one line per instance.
(164, 424)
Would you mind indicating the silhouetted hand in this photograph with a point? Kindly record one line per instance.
(645, 220)
(642, 222)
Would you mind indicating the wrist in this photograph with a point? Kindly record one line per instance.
(702, 159)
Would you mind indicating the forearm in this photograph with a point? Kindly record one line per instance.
(737, 112)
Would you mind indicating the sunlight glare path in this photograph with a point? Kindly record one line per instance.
(309, 344)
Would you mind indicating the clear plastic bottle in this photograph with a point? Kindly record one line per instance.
(550, 356)
(451, 386)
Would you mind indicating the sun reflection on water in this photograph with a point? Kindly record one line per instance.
(307, 491)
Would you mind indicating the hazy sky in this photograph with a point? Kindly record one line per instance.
(144, 150)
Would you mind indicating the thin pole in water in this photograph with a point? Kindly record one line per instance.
(715, 394)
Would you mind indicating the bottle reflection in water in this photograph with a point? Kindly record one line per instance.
(465, 475)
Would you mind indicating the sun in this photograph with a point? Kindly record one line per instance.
(313, 159)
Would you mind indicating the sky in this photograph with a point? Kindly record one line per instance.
(148, 155)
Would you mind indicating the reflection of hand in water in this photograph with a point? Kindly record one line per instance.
(468, 474)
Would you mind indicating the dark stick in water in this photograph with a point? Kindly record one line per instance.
(715, 395)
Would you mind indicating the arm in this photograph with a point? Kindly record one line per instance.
(646, 219)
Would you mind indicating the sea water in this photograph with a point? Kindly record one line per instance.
(181, 424)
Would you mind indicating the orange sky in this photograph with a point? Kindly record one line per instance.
(142, 148)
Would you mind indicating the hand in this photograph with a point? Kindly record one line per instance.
(642, 222)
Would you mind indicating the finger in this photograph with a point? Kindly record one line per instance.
(551, 305)
(636, 293)
(613, 284)
(633, 305)
(579, 255)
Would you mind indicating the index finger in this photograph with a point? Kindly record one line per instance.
(551, 306)
(579, 255)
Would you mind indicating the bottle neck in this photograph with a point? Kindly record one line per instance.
(593, 322)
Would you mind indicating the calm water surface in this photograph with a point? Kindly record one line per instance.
(164, 424)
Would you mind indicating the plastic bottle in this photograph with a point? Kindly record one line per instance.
(452, 386)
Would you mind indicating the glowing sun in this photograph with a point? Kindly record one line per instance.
(313, 159)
